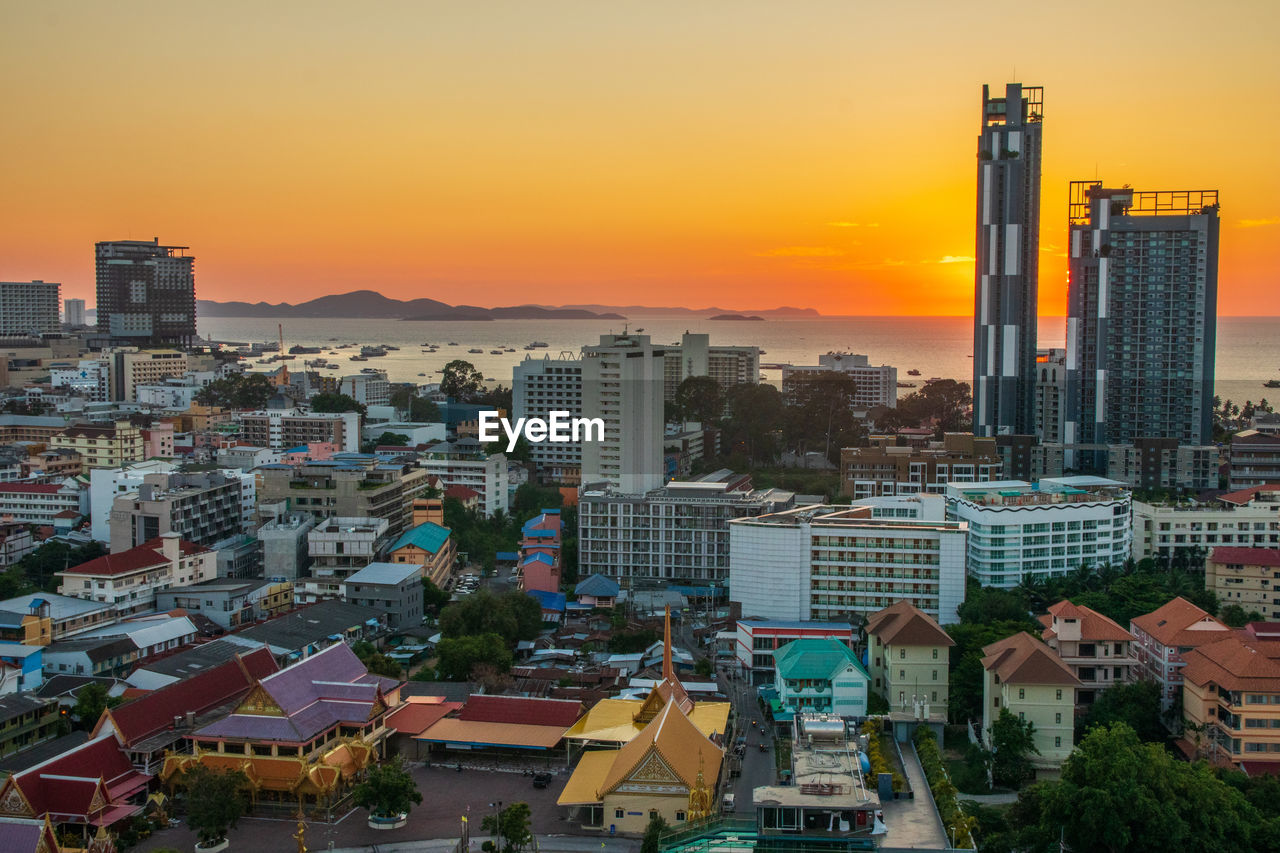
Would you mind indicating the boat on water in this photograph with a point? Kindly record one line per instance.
(495, 352)
(538, 344)
(510, 349)
(357, 358)
(473, 349)
(331, 367)
(453, 343)
(906, 384)
(422, 374)
(913, 372)
(389, 347)
(372, 352)
(1271, 383)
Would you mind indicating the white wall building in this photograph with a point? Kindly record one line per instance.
(622, 383)
(1249, 518)
(839, 562)
(1043, 529)
(371, 389)
(540, 386)
(90, 378)
(38, 503)
(457, 465)
(106, 484)
(877, 384)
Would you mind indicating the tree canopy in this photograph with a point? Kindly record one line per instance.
(820, 417)
(241, 391)
(699, 398)
(213, 800)
(336, 403)
(459, 657)
(943, 403)
(388, 790)
(91, 701)
(513, 825)
(1012, 745)
(461, 380)
(756, 415)
(1137, 705)
(513, 616)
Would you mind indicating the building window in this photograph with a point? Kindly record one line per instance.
(935, 675)
(902, 654)
(935, 654)
(935, 696)
(1022, 693)
(902, 673)
(619, 813)
(1059, 693)
(1057, 718)
(679, 816)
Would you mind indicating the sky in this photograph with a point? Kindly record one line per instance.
(718, 153)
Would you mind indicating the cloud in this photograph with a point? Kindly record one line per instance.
(802, 252)
(854, 224)
(956, 259)
(1259, 223)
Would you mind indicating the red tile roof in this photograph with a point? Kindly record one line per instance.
(904, 624)
(416, 717)
(1094, 627)
(462, 493)
(1180, 623)
(1246, 496)
(1246, 556)
(1235, 664)
(518, 709)
(64, 787)
(148, 555)
(154, 712)
(30, 488)
(1022, 659)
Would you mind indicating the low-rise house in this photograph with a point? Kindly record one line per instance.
(32, 626)
(38, 503)
(428, 545)
(1099, 652)
(757, 640)
(1165, 636)
(302, 632)
(26, 721)
(393, 588)
(909, 657)
(21, 667)
(1024, 675)
(820, 676)
(154, 634)
(66, 616)
(1231, 703)
(230, 603)
(16, 542)
(130, 579)
(104, 656)
(597, 591)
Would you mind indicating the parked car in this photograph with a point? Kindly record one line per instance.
(541, 780)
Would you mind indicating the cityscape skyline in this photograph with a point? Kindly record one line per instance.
(475, 154)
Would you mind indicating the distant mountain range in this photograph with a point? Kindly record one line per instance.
(368, 304)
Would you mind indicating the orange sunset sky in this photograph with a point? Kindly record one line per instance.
(737, 154)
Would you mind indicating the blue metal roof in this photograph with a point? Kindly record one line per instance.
(507, 555)
(549, 600)
(428, 536)
(598, 586)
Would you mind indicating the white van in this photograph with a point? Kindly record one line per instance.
(727, 803)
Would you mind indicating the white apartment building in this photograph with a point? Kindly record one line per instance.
(462, 463)
(1048, 528)
(678, 532)
(840, 562)
(622, 383)
(283, 429)
(29, 308)
(540, 386)
(90, 378)
(338, 548)
(133, 367)
(877, 384)
(106, 484)
(39, 503)
(167, 395)
(695, 355)
(73, 313)
(130, 579)
(370, 389)
(1249, 518)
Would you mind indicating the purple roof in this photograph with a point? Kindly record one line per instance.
(20, 835)
(297, 686)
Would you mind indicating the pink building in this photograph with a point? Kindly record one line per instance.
(1165, 635)
(540, 552)
(317, 451)
(158, 441)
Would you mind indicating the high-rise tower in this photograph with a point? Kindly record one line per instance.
(1007, 262)
(146, 292)
(1141, 317)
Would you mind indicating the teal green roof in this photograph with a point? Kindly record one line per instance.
(428, 536)
(814, 658)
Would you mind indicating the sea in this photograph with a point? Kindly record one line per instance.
(1248, 350)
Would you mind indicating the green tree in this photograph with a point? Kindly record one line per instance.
(376, 662)
(422, 410)
(461, 381)
(1012, 745)
(388, 790)
(214, 802)
(512, 616)
(1137, 705)
(756, 416)
(513, 825)
(391, 439)
(40, 565)
(652, 841)
(336, 403)
(820, 415)
(699, 398)
(91, 701)
(458, 657)
(1235, 616)
(703, 667)
(1120, 794)
(243, 391)
(433, 597)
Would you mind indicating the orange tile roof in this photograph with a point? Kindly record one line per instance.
(416, 717)
(1022, 659)
(1094, 627)
(904, 624)
(1180, 623)
(1246, 496)
(1236, 664)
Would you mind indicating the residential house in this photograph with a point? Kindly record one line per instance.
(1164, 636)
(1231, 703)
(1247, 577)
(820, 676)
(393, 588)
(1099, 652)
(909, 657)
(131, 579)
(428, 545)
(1023, 675)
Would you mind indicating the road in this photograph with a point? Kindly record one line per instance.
(758, 768)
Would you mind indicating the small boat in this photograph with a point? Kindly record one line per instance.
(331, 367)
(906, 384)
(357, 358)
(439, 370)
(453, 343)
(422, 374)
(476, 351)
(510, 349)
(495, 352)
(913, 372)
(762, 352)
(538, 344)
(389, 347)
(1271, 383)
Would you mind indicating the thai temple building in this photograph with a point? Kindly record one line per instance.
(668, 760)
(300, 735)
(616, 722)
